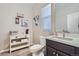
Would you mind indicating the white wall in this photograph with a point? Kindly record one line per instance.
(7, 20)
(37, 32)
(37, 29)
(62, 10)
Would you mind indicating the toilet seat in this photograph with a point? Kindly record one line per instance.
(36, 47)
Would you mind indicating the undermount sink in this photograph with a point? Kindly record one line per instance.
(70, 39)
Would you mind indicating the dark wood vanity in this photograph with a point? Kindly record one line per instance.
(54, 48)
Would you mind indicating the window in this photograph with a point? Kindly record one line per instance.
(46, 18)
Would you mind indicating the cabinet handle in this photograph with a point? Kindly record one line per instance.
(54, 52)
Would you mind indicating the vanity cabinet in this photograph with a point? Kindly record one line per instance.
(54, 52)
(50, 51)
(77, 51)
(54, 48)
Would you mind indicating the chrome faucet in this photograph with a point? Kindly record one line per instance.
(64, 33)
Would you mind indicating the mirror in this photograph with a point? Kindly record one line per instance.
(67, 17)
(73, 22)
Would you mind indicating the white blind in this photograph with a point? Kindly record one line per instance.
(46, 18)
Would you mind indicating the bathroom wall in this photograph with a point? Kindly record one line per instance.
(62, 10)
(7, 20)
(37, 31)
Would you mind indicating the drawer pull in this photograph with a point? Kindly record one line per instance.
(54, 53)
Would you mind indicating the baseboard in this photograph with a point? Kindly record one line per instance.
(5, 50)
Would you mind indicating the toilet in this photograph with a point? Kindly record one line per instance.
(38, 49)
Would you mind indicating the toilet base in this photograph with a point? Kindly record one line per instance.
(37, 50)
(38, 54)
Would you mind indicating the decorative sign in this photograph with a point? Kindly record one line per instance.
(24, 22)
(36, 19)
(19, 19)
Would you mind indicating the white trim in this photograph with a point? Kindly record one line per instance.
(5, 50)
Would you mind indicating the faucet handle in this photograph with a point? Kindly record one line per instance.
(65, 31)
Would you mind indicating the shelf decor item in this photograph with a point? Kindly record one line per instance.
(13, 32)
(27, 31)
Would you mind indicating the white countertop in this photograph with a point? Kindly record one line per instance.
(73, 42)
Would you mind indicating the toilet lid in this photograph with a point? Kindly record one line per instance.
(36, 46)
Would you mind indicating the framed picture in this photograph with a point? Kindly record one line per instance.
(24, 22)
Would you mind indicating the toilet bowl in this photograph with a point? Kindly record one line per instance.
(37, 49)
